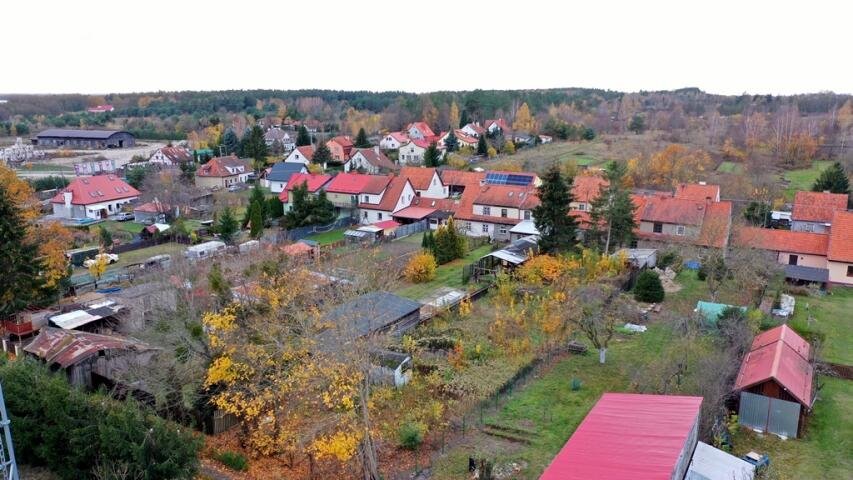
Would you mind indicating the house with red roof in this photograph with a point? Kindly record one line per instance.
(171, 156)
(494, 125)
(345, 190)
(223, 172)
(420, 131)
(462, 138)
(457, 180)
(426, 181)
(412, 152)
(341, 147)
(683, 218)
(807, 256)
(371, 161)
(474, 129)
(585, 189)
(384, 196)
(699, 192)
(302, 155)
(492, 210)
(313, 182)
(632, 437)
(813, 211)
(393, 140)
(93, 197)
(778, 371)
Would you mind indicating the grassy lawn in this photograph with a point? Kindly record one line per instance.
(824, 452)
(326, 238)
(447, 275)
(47, 167)
(803, 179)
(830, 316)
(730, 167)
(113, 226)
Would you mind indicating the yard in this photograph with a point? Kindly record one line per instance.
(332, 236)
(830, 315)
(447, 275)
(803, 179)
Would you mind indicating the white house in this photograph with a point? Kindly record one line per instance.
(420, 131)
(93, 197)
(301, 155)
(393, 140)
(378, 206)
(426, 182)
(473, 130)
(276, 134)
(171, 156)
(412, 152)
(369, 160)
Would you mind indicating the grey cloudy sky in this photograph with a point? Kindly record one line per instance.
(730, 47)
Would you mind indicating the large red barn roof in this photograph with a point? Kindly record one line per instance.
(628, 437)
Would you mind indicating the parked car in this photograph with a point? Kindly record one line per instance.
(110, 257)
(123, 216)
(234, 188)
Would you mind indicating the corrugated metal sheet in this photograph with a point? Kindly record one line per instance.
(68, 347)
(769, 414)
(753, 410)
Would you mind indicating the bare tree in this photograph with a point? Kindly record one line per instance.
(596, 311)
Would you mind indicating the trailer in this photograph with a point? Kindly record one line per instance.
(204, 250)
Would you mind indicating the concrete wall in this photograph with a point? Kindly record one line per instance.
(838, 273)
(805, 260)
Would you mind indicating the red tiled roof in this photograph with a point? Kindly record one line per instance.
(377, 184)
(152, 207)
(343, 141)
(585, 188)
(176, 154)
(778, 357)
(351, 183)
(817, 206)
(414, 213)
(782, 240)
(420, 143)
(500, 121)
(218, 166)
(421, 177)
(717, 225)
(386, 224)
(464, 137)
(507, 196)
(476, 127)
(667, 209)
(100, 188)
(698, 192)
(841, 238)
(423, 128)
(461, 178)
(313, 181)
(401, 137)
(377, 159)
(390, 197)
(443, 204)
(307, 151)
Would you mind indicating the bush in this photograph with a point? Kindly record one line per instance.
(233, 460)
(421, 268)
(411, 435)
(436, 343)
(73, 433)
(648, 288)
(671, 259)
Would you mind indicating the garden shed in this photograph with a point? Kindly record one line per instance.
(376, 312)
(631, 436)
(776, 383)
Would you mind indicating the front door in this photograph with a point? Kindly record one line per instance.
(792, 259)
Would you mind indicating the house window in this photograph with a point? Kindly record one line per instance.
(679, 229)
(582, 207)
(657, 227)
(366, 199)
(379, 215)
(792, 259)
(487, 211)
(850, 270)
(808, 227)
(468, 226)
(364, 215)
(527, 214)
(503, 213)
(502, 229)
(486, 227)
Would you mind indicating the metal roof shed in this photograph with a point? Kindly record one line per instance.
(710, 463)
(631, 437)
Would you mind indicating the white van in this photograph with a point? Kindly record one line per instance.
(204, 250)
(249, 246)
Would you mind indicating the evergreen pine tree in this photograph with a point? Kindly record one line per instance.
(106, 238)
(482, 146)
(612, 220)
(20, 283)
(451, 143)
(463, 118)
(230, 143)
(556, 227)
(299, 208)
(432, 156)
(322, 209)
(303, 138)
(833, 179)
(322, 154)
(649, 288)
(361, 140)
(227, 225)
(257, 220)
(255, 147)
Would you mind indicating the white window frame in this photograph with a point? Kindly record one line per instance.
(485, 228)
(680, 230)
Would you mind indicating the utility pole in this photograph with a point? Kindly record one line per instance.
(7, 451)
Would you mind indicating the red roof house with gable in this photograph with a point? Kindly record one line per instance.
(312, 181)
(341, 147)
(223, 172)
(684, 218)
(384, 196)
(303, 155)
(93, 197)
(813, 211)
(420, 131)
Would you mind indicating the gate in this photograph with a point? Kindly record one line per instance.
(769, 414)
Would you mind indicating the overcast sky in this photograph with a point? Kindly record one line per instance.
(727, 47)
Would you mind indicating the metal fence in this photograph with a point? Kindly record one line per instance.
(411, 229)
(769, 414)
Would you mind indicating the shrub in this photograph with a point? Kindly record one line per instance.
(421, 268)
(436, 343)
(233, 460)
(671, 259)
(411, 435)
(648, 288)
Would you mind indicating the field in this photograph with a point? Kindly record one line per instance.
(830, 315)
(804, 178)
(730, 167)
(326, 238)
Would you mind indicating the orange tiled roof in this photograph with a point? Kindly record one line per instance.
(461, 178)
(782, 240)
(100, 188)
(698, 192)
(841, 238)
(393, 190)
(668, 209)
(817, 206)
(585, 188)
(421, 177)
(218, 166)
(717, 225)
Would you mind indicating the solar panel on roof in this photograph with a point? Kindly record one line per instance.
(508, 179)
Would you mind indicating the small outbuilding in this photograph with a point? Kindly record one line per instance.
(631, 437)
(711, 463)
(776, 383)
(376, 312)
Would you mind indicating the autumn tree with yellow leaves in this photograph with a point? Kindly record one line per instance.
(524, 121)
(669, 167)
